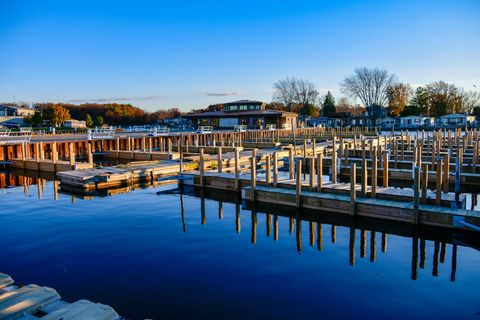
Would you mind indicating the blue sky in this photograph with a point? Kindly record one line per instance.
(160, 54)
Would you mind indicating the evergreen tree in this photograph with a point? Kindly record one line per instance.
(37, 119)
(89, 121)
(328, 104)
(99, 121)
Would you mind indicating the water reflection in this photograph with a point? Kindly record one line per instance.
(316, 222)
(315, 233)
(214, 251)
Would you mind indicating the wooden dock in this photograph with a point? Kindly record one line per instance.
(367, 207)
(36, 302)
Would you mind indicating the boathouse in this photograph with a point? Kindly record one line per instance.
(243, 112)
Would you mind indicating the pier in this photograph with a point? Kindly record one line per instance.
(414, 177)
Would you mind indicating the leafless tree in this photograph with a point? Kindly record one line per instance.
(369, 85)
(305, 92)
(284, 92)
(292, 91)
(469, 100)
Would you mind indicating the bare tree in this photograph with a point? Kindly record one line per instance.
(284, 92)
(369, 85)
(291, 91)
(469, 100)
(305, 92)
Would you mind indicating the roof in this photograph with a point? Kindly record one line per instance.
(408, 117)
(223, 114)
(454, 115)
(243, 102)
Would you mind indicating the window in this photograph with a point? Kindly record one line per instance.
(243, 107)
(233, 108)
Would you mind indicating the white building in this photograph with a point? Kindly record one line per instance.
(456, 120)
(416, 122)
(74, 124)
(389, 122)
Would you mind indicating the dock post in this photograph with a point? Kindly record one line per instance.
(363, 149)
(446, 172)
(237, 169)
(169, 142)
(364, 177)
(42, 151)
(424, 183)
(89, 151)
(319, 171)
(312, 173)
(438, 194)
(219, 160)
(180, 150)
(374, 176)
(353, 189)
(334, 161)
(54, 153)
(298, 189)
(71, 154)
(291, 165)
(202, 167)
(253, 178)
(385, 169)
(275, 169)
(457, 181)
(268, 173)
(416, 194)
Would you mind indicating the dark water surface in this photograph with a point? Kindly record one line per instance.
(133, 252)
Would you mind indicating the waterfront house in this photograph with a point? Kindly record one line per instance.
(243, 112)
(456, 120)
(389, 123)
(413, 122)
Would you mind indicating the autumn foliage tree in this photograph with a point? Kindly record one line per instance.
(56, 113)
(398, 97)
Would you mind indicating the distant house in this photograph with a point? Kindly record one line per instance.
(456, 120)
(13, 111)
(75, 124)
(243, 112)
(359, 121)
(389, 123)
(412, 122)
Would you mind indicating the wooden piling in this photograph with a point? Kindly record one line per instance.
(201, 167)
(319, 171)
(299, 183)
(219, 160)
(353, 190)
(374, 176)
(275, 169)
(438, 194)
(424, 182)
(237, 169)
(416, 194)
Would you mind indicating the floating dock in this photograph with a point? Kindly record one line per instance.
(36, 302)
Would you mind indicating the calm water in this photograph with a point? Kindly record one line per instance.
(135, 252)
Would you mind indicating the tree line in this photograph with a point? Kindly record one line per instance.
(380, 94)
(95, 114)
